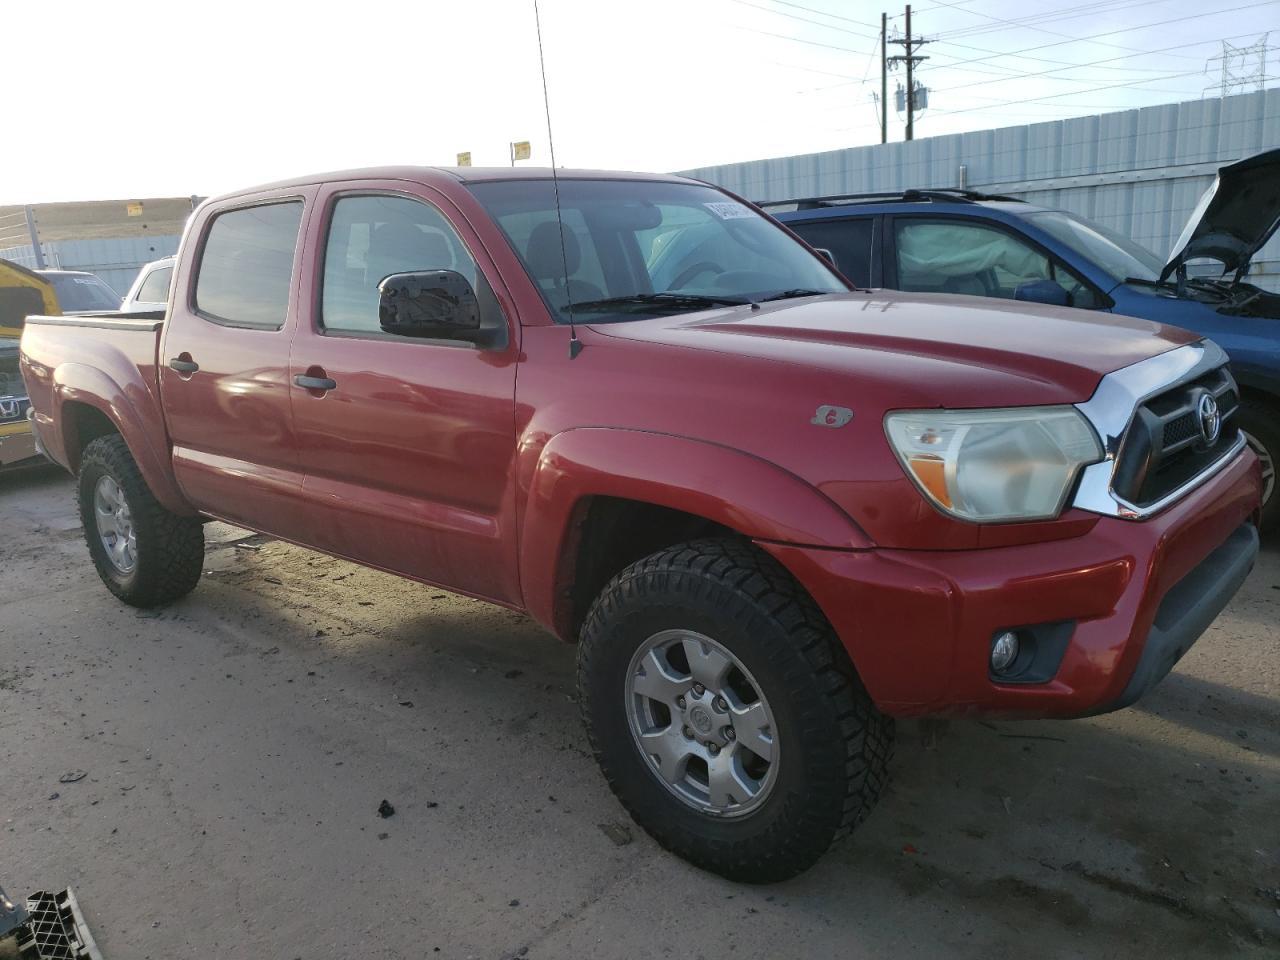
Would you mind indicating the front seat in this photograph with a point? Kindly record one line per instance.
(548, 268)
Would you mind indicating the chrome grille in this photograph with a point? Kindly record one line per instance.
(1165, 446)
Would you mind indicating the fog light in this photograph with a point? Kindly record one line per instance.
(1004, 651)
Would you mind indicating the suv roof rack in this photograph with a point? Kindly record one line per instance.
(909, 196)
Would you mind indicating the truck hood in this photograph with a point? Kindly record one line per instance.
(1234, 218)
(926, 349)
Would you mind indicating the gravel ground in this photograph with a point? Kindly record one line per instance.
(238, 744)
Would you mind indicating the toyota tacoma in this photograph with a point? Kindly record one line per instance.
(773, 511)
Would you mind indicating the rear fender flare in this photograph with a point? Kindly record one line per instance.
(754, 497)
(79, 383)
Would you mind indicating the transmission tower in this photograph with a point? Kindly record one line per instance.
(1243, 68)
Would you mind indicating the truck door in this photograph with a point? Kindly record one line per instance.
(407, 445)
(224, 366)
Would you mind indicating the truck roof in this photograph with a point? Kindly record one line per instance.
(453, 175)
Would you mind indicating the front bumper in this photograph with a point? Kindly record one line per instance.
(1134, 596)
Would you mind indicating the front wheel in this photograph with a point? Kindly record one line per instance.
(725, 714)
(145, 555)
(1261, 426)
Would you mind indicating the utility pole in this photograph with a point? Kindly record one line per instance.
(35, 236)
(909, 45)
(884, 78)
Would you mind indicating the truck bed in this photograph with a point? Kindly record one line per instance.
(101, 365)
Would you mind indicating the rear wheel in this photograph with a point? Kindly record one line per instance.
(725, 714)
(1261, 426)
(145, 555)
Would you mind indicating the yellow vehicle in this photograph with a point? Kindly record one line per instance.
(21, 293)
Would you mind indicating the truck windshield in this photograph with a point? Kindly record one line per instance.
(637, 248)
(82, 291)
(1117, 255)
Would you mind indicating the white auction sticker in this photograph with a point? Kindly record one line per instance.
(728, 210)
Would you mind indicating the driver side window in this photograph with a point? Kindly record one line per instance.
(371, 237)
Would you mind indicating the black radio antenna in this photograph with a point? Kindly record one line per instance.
(575, 345)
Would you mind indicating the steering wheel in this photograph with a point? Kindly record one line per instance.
(690, 272)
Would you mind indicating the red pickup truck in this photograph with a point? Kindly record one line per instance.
(773, 511)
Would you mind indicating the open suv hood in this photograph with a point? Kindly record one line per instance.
(1234, 218)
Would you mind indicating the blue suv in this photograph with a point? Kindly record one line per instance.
(961, 242)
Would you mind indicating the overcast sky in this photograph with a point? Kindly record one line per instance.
(140, 98)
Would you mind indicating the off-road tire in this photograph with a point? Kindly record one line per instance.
(835, 746)
(1262, 423)
(170, 548)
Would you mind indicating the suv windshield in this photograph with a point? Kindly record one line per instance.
(1119, 256)
(637, 248)
(82, 291)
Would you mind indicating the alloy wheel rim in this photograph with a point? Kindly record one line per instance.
(115, 525)
(702, 724)
(1268, 467)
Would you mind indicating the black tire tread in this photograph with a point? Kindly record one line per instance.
(867, 734)
(176, 543)
(1259, 413)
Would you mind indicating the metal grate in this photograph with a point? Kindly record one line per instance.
(55, 930)
(1186, 427)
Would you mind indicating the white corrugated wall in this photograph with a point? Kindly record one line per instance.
(1139, 172)
(115, 260)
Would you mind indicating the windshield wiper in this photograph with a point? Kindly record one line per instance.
(1203, 284)
(791, 294)
(674, 301)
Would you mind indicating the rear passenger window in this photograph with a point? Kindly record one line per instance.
(371, 238)
(848, 240)
(155, 289)
(247, 265)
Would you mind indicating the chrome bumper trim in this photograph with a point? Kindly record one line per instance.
(1111, 410)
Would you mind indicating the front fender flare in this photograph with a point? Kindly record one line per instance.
(745, 493)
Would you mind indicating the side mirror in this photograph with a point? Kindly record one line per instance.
(431, 304)
(1042, 291)
(826, 255)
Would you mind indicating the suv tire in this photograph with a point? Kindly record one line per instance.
(145, 555)
(1261, 425)
(698, 605)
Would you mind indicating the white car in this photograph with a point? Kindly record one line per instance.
(150, 291)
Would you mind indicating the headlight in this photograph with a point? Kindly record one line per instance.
(991, 465)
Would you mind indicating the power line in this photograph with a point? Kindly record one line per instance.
(961, 64)
(1065, 63)
(1044, 73)
(1073, 93)
(792, 16)
(1057, 15)
(1144, 26)
(783, 36)
(823, 13)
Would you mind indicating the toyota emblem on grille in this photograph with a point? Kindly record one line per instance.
(1210, 419)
